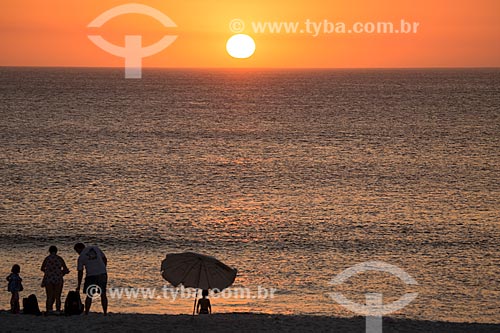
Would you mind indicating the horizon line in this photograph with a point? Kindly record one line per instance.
(257, 68)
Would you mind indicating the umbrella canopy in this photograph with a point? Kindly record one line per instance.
(194, 270)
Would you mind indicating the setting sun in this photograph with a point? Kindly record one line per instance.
(240, 46)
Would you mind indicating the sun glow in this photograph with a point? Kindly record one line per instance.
(55, 33)
(240, 46)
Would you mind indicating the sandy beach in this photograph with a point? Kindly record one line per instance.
(236, 322)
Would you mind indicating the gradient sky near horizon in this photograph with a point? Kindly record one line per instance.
(452, 33)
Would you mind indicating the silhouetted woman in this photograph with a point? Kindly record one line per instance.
(55, 268)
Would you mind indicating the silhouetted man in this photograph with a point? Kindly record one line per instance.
(96, 278)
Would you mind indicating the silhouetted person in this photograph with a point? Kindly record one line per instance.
(14, 287)
(54, 268)
(204, 306)
(94, 261)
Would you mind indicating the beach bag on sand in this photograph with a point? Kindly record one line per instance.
(30, 305)
(73, 304)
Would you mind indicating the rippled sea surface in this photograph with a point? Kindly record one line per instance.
(289, 176)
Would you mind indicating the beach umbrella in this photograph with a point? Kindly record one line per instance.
(199, 271)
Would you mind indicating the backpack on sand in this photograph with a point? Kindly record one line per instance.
(30, 305)
(73, 304)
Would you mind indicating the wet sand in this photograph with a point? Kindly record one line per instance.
(236, 322)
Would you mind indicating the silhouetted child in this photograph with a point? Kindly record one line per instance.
(204, 306)
(14, 287)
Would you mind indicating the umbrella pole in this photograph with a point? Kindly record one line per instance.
(196, 295)
(195, 299)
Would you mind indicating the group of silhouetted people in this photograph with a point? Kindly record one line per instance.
(91, 259)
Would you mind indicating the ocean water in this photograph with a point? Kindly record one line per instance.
(289, 176)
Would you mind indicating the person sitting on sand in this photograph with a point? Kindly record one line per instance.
(14, 287)
(204, 306)
(96, 279)
(54, 268)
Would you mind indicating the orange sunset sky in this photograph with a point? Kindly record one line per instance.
(452, 33)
